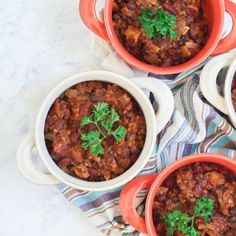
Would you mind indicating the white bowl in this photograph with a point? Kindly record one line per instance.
(155, 122)
(209, 88)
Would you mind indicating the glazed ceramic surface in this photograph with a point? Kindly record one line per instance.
(155, 122)
(214, 12)
(152, 183)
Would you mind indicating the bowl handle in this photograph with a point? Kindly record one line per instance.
(229, 42)
(87, 10)
(127, 201)
(26, 167)
(208, 80)
(163, 97)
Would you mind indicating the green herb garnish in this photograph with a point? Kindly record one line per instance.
(104, 117)
(184, 223)
(158, 23)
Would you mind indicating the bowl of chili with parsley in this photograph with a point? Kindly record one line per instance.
(192, 197)
(162, 36)
(96, 130)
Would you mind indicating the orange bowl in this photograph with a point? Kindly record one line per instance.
(153, 183)
(214, 12)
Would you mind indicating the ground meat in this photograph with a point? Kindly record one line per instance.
(63, 131)
(233, 92)
(181, 190)
(191, 27)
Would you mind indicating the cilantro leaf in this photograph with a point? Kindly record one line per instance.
(90, 138)
(158, 23)
(101, 110)
(146, 21)
(104, 117)
(204, 208)
(97, 149)
(106, 124)
(119, 133)
(86, 120)
(184, 223)
(114, 116)
(193, 232)
(171, 220)
(184, 219)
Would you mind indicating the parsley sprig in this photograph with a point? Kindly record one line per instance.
(184, 223)
(105, 117)
(158, 23)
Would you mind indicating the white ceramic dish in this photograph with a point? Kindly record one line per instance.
(154, 124)
(208, 83)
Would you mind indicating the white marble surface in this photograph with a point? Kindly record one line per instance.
(39, 41)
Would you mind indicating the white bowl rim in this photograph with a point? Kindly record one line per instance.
(139, 96)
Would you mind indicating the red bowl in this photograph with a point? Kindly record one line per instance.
(153, 182)
(214, 12)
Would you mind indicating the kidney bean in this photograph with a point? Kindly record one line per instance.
(132, 5)
(205, 193)
(193, 32)
(96, 98)
(169, 182)
(124, 163)
(74, 137)
(205, 30)
(230, 233)
(129, 20)
(174, 51)
(175, 199)
(233, 225)
(155, 213)
(167, 62)
(132, 158)
(232, 219)
(159, 228)
(93, 171)
(59, 123)
(168, 7)
(192, 11)
(232, 211)
(197, 178)
(116, 16)
(218, 216)
(230, 178)
(177, 59)
(65, 162)
(198, 189)
(161, 198)
(124, 17)
(60, 148)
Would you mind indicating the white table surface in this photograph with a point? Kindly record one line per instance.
(39, 41)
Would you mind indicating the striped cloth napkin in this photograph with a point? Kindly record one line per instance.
(195, 127)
